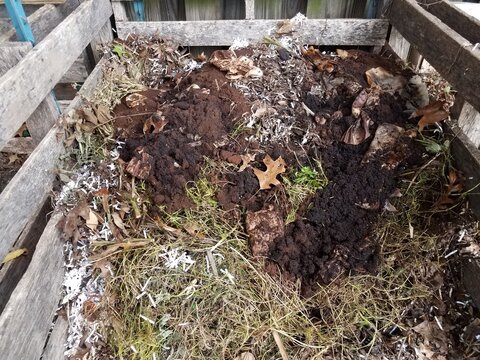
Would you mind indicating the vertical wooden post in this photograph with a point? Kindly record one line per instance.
(249, 9)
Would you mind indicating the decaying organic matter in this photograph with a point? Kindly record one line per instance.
(273, 199)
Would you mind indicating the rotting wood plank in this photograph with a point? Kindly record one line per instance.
(21, 198)
(41, 121)
(224, 32)
(448, 52)
(26, 320)
(103, 37)
(469, 122)
(50, 59)
(38, 2)
(460, 21)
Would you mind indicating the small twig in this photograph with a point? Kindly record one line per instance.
(212, 262)
(279, 343)
(420, 170)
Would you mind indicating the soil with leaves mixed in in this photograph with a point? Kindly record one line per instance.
(359, 148)
(288, 193)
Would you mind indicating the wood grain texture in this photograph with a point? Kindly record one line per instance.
(463, 23)
(41, 121)
(20, 145)
(399, 44)
(249, 9)
(26, 320)
(50, 60)
(469, 122)
(101, 40)
(38, 2)
(448, 52)
(55, 347)
(22, 197)
(12, 272)
(224, 32)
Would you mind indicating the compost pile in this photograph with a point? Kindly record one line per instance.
(267, 189)
(298, 117)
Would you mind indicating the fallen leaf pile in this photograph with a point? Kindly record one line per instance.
(236, 67)
(321, 62)
(269, 177)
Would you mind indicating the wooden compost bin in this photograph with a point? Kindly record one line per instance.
(30, 291)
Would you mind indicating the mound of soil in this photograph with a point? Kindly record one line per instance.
(330, 237)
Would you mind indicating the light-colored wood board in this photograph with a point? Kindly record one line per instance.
(50, 60)
(249, 9)
(463, 22)
(20, 145)
(399, 44)
(22, 197)
(12, 272)
(119, 11)
(26, 320)
(448, 52)
(55, 347)
(41, 121)
(224, 32)
(469, 122)
(101, 40)
(203, 10)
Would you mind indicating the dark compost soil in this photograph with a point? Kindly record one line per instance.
(330, 237)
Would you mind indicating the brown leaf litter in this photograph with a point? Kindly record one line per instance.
(268, 177)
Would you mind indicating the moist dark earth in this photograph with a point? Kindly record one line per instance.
(200, 112)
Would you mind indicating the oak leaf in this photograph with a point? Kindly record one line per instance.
(269, 177)
(246, 160)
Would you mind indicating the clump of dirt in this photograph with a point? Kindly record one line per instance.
(199, 113)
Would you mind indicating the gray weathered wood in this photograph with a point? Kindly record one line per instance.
(41, 121)
(462, 22)
(77, 72)
(102, 38)
(50, 59)
(469, 122)
(25, 322)
(448, 52)
(12, 272)
(55, 348)
(224, 32)
(399, 44)
(22, 197)
(38, 2)
(119, 11)
(249, 9)
(20, 145)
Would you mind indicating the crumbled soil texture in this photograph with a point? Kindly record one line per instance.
(330, 237)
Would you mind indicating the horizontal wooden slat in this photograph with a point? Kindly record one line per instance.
(22, 91)
(223, 32)
(451, 54)
(22, 197)
(38, 2)
(27, 317)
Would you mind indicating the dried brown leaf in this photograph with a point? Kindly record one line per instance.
(385, 80)
(432, 118)
(246, 160)
(92, 220)
(359, 102)
(154, 123)
(358, 132)
(134, 100)
(321, 62)
(269, 177)
(342, 54)
(140, 168)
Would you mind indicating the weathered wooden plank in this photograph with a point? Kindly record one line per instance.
(41, 121)
(448, 52)
(469, 122)
(12, 272)
(20, 145)
(27, 317)
(50, 59)
(102, 38)
(462, 22)
(249, 9)
(55, 347)
(224, 32)
(119, 11)
(22, 197)
(38, 2)
(399, 44)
